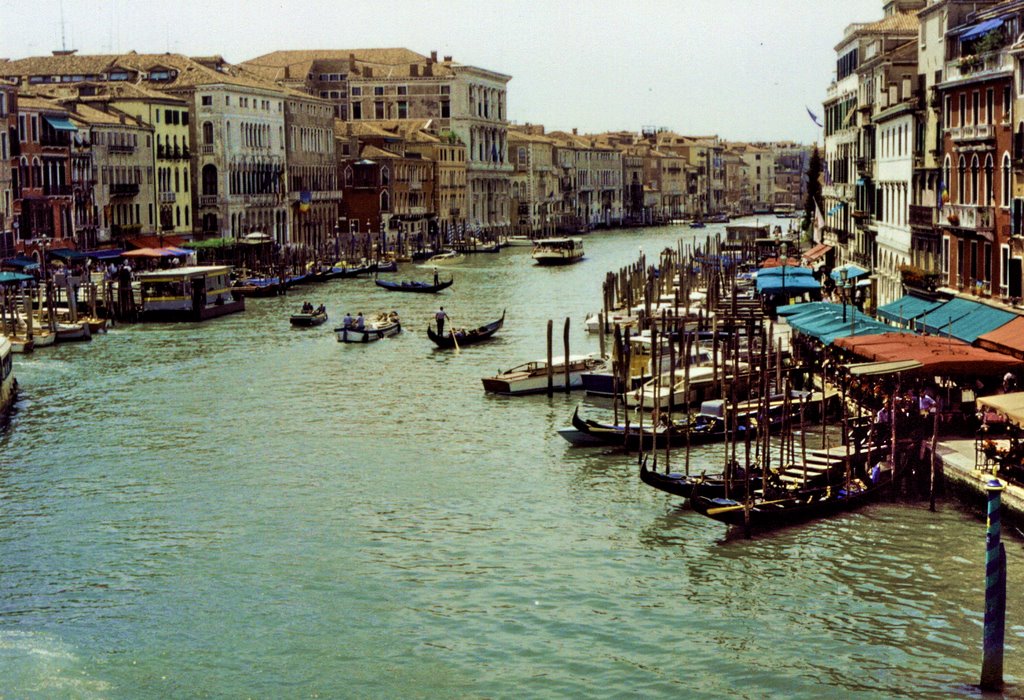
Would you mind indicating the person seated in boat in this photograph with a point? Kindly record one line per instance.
(307, 308)
(393, 317)
(321, 309)
(360, 322)
(347, 321)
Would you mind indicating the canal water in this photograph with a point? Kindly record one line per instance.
(243, 509)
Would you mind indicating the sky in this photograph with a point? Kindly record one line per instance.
(746, 70)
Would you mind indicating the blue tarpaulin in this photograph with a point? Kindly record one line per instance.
(963, 319)
(980, 29)
(907, 308)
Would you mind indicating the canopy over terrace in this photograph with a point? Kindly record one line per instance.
(1008, 338)
(157, 253)
(963, 319)
(825, 321)
(942, 357)
(1009, 405)
(906, 309)
(786, 279)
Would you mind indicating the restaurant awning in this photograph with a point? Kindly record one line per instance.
(1009, 405)
(156, 253)
(852, 272)
(963, 319)
(818, 251)
(1008, 338)
(69, 255)
(825, 322)
(980, 29)
(906, 308)
(104, 253)
(13, 277)
(20, 262)
(60, 123)
(943, 357)
(156, 241)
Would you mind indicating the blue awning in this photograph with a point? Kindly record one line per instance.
(60, 123)
(104, 253)
(11, 277)
(963, 319)
(824, 321)
(980, 29)
(852, 271)
(66, 254)
(906, 308)
(20, 263)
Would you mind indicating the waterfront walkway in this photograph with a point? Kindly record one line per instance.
(963, 475)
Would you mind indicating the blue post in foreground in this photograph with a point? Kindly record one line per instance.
(995, 594)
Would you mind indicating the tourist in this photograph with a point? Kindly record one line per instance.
(360, 323)
(1009, 382)
(926, 403)
(347, 322)
(440, 317)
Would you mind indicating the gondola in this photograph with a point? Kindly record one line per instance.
(708, 485)
(417, 287)
(344, 272)
(466, 337)
(792, 507)
(704, 429)
(310, 319)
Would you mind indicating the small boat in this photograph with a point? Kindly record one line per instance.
(21, 344)
(707, 485)
(388, 266)
(697, 223)
(384, 326)
(96, 324)
(73, 332)
(306, 319)
(558, 251)
(466, 337)
(706, 427)
(417, 287)
(341, 272)
(448, 257)
(532, 377)
(519, 241)
(259, 286)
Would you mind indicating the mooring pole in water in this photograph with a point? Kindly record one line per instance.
(551, 370)
(565, 357)
(995, 594)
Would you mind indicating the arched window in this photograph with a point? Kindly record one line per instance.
(961, 179)
(989, 195)
(348, 176)
(974, 180)
(946, 182)
(209, 179)
(385, 201)
(1004, 196)
(385, 177)
(208, 133)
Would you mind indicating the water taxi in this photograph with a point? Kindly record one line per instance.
(188, 294)
(558, 251)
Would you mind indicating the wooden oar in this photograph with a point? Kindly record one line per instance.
(454, 339)
(726, 509)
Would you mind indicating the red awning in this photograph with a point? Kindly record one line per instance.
(816, 252)
(1008, 338)
(944, 357)
(156, 241)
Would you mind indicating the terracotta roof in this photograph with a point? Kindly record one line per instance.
(378, 153)
(298, 63)
(87, 114)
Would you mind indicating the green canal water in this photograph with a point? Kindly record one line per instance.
(243, 509)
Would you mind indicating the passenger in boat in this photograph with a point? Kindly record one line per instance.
(321, 309)
(347, 321)
(307, 308)
(360, 322)
(440, 317)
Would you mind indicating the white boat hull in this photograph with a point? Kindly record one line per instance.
(369, 334)
(8, 384)
(533, 378)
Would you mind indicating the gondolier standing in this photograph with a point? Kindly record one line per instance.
(440, 317)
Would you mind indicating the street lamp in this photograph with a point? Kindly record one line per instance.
(842, 283)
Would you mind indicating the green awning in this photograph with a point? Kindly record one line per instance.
(963, 319)
(60, 123)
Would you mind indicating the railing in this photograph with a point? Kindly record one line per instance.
(991, 62)
(207, 200)
(207, 149)
(56, 190)
(167, 197)
(968, 216)
(922, 216)
(121, 148)
(124, 190)
(972, 132)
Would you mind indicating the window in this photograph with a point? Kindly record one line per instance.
(961, 172)
(385, 176)
(385, 201)
(962, 116)
(975, 106)
(990, 106)
(403, 109)
(357, 110)
(378, 89)
(1004, 269)
(446, 109)
(206, 100)
(356, 91)
(378, 109)
(1004, 195)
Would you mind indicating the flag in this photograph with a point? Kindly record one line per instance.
(819, 224)
(305, 200)
(814, 117)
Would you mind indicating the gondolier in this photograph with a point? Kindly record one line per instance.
(440, 318)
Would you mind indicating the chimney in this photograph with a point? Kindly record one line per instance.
(447, 59)
(122, 118)
(574, 133)
(414, 70)
(433, 56)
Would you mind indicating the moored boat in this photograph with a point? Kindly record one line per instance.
(72, 332)
(558, 251)
(448, 257)
(415, 287)
(457, 337)
(8, 384)
(384, 326)
(532, 377)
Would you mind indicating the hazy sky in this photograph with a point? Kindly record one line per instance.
(744, 69)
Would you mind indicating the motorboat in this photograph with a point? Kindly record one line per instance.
(532, 377)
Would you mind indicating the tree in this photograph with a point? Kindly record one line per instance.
(813, 190)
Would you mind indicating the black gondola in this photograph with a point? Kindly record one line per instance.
(704, 429)
(417, 287)
(709, 485)
(344, 272)
(792, 506)
(466, 337)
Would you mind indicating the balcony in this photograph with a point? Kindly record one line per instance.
(57, 190)
(968, 216)
(982, 65)
(207, 149)
(923, 217)
(167, 197)
(972, 132)
(124, 190)
(121, 148)
(207, 200)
